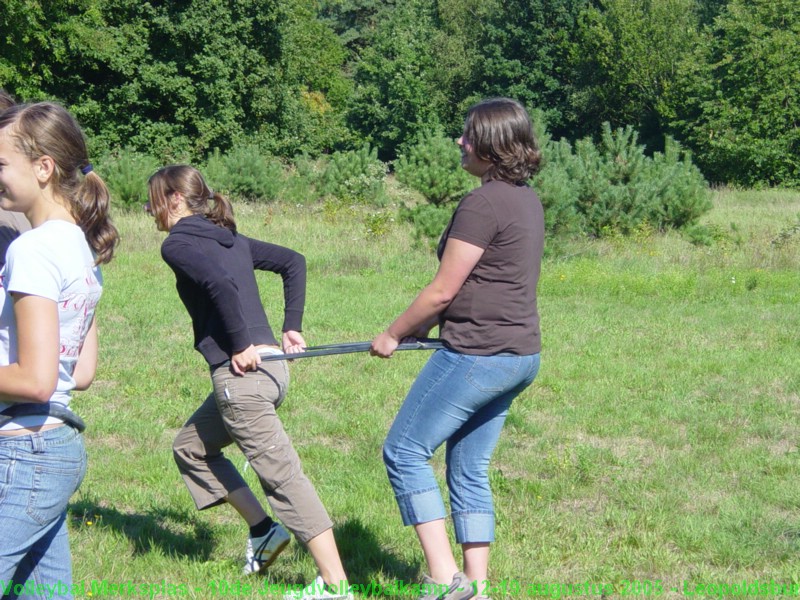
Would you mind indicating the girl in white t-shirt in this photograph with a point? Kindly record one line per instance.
(49, 288)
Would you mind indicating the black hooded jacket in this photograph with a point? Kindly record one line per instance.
(215, 280)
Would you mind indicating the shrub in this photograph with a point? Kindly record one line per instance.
(712, 235)
(125, 173)
(433, 168)
(355, 176)
(558, 190)
(246, 173)
(608, 188)
(614, 186)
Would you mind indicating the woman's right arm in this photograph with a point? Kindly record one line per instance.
(458, 260)
(33, 377)
(291, 266)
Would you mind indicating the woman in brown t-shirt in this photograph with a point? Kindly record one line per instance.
(484, 299)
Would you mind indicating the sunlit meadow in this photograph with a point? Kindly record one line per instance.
(655, 455)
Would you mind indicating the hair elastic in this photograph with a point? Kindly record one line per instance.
(87, 169)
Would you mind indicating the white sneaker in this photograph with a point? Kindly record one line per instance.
(262, 551)
(318, 590)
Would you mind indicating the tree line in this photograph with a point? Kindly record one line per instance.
(183, 79)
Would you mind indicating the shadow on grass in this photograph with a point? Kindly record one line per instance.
(179, 534)
(175, 533)
(366, 561)
(365, 558)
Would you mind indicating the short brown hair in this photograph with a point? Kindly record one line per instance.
(500, 132)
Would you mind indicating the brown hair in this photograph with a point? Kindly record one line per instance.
(190, 183)
(6, 100)
(47, 129)
(500, 132)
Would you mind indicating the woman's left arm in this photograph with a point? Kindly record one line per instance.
(34, 376)
(291, 266)
(458, 261)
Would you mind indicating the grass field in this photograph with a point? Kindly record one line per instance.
(656, 455)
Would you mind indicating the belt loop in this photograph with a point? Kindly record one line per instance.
(37, 442)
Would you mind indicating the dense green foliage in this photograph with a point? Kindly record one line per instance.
(529, 49)
(741, 106)
(395, 96)
(626, 62)
(180, 81)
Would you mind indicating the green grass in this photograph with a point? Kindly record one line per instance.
(658, 445)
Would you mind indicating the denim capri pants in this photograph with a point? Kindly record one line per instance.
(462, 400)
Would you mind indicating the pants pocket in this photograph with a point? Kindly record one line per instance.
(55, 479)
(233, 392)
(492, 374)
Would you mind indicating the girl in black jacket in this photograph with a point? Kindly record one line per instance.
(213, 266)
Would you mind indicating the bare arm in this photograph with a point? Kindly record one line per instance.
(457, 263)
(34, 376)
(86, 366)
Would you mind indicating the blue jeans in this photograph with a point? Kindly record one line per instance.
(38, 474)
(463, 400)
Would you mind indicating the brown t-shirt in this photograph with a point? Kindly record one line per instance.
(495, 310)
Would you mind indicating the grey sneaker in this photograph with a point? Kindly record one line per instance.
(460, 589)
(262, 551)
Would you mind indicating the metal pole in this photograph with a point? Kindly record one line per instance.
(351, 347)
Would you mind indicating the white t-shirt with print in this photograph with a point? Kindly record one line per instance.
(52, 261)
